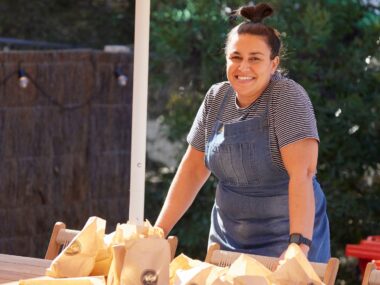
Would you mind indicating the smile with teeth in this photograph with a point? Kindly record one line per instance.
(244, 77)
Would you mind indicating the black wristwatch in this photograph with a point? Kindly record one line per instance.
(299, 239)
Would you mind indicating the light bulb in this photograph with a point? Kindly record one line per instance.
(23, 80)
(122, 79)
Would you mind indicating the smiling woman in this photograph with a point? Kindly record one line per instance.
(252, 52)
(249, 67)
(257, 134)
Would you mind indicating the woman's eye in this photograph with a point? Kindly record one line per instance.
(235, 57)
(254, 59)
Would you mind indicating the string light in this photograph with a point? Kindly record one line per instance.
(23, 79)
(122, 79)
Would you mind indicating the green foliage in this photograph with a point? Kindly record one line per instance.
(187, 48)
(332, 49)
(179, 122)
(89, 24)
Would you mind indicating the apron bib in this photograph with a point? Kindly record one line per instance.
(251, 212)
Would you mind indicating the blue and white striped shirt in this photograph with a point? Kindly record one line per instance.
(291, 115)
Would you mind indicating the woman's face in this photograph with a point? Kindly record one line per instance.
(249, 67)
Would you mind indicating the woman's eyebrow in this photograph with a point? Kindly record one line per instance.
(251, 53)
(256, 53)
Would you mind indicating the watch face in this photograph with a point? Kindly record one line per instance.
(299, 239)
(295, 238)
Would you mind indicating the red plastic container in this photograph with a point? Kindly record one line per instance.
(367, 250)
(377, 262)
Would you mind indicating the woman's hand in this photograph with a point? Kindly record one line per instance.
(304, 248)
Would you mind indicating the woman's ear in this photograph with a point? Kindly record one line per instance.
(275, 63)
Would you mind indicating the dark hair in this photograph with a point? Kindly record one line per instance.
(253, 25)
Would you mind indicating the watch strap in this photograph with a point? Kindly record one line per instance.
(299, 239)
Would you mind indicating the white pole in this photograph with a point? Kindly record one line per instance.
(139, 112)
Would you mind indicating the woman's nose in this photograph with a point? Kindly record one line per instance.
(244, 65)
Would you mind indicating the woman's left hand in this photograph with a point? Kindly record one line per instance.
(304, 248)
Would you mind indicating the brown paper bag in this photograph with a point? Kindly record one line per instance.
(194, 276)
(130, 231)
(247, 265)
(251, 280)
(98, 280)
(181, 262)
(216, 276)
(103, 260)
(116, 265)
(184, 270)
(202, 274)
(122, 240)
(295, 269)
(79, 257)
(247, 270)
(146, 262)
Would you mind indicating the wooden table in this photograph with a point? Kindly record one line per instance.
(13, 268)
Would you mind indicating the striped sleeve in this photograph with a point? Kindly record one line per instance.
(197, 135)
(294, 117)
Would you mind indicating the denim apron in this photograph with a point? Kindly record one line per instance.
(251, 212)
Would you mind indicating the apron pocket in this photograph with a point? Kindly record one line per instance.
(233, 164)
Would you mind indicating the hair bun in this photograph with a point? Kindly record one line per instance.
(256, 13)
